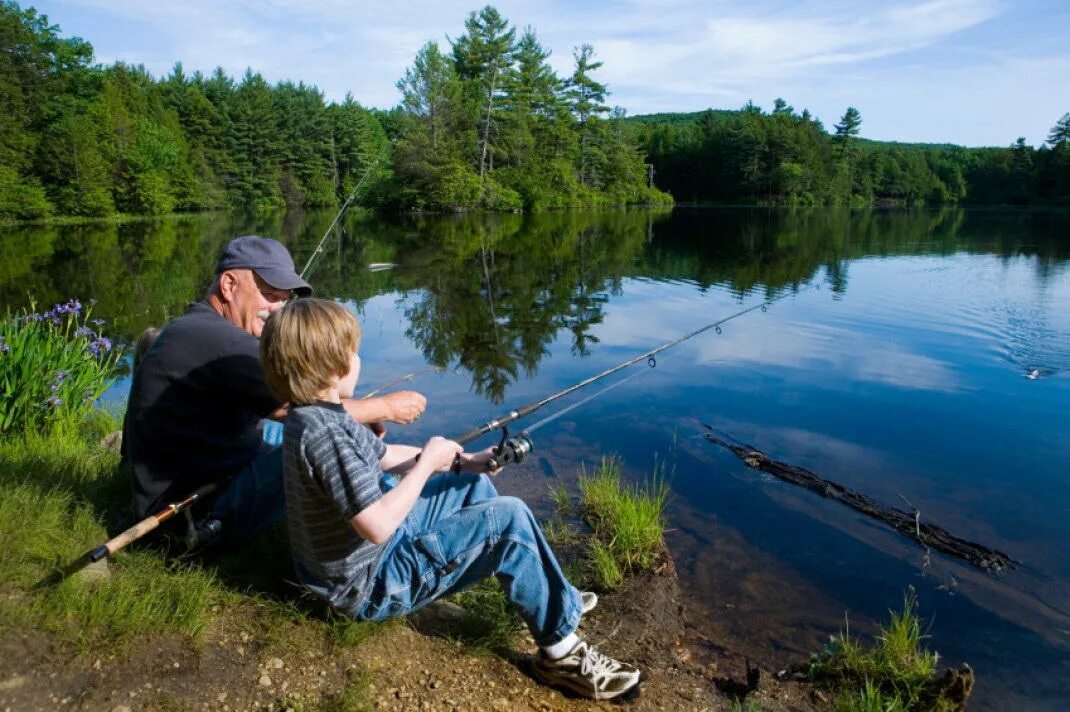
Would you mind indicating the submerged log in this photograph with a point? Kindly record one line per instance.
(909, 524)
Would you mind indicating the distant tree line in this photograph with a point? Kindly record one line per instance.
(483, 123)
(788, 158)
(486, 125)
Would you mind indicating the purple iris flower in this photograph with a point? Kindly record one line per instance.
(100, 346)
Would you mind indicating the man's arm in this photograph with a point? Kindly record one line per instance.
(399, 407)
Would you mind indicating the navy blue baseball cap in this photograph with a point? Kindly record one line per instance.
(268, 258)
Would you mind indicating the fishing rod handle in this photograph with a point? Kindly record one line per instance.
(129, 536)
(148, 524)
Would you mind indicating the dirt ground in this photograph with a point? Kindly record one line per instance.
(240, 663)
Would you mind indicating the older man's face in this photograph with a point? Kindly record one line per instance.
(250, 300)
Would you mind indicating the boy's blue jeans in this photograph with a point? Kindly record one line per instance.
(459, 532)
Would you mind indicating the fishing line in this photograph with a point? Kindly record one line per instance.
(567, 409)
(649, 356)
(515, 449)
(404, 379)
(342, 210)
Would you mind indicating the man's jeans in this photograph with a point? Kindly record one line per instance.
(253, 499)
(459, 532)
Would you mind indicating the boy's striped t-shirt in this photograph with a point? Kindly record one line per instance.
(331, 471)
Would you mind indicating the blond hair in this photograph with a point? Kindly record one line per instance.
(304, 346)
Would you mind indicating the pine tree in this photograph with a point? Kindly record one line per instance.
(482, 57)
(430, 92)
(587, 102)
(1060, 133)
(531, 103)
(848, 128)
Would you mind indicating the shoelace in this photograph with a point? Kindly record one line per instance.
(596, 664)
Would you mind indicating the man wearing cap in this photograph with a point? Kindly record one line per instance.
(199, 395)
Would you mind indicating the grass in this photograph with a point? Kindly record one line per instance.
(627, 523)
(492, 625)
(894, 672)
(353, 697)
(56, 489)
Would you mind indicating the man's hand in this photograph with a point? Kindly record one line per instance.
(477, 461)
(400, 407)
(404, 406)
(438, 453)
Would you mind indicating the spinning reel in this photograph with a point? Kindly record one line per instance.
(510, 449)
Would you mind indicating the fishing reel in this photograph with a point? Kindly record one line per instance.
(510, 449)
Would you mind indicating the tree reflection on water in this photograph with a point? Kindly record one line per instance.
(488, 293)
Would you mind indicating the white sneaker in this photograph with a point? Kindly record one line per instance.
(587, 672)
(588, 600)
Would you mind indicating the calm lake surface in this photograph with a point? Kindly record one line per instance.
(897, 366)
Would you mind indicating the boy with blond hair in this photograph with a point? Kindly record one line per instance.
(375, 547)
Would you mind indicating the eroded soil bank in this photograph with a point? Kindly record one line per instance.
(248, 659)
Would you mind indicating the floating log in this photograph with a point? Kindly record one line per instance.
(909, 524)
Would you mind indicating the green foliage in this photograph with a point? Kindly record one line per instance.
(53, 367)
(785, 158)
(891, 674)
(627, 522)
(491, 623)
(348, 633)
(487, 126)
(45, 522)
(353, 697)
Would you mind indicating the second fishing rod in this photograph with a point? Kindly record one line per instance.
(513, 449)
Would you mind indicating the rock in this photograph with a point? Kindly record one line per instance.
(275, 663)
(120, 708)
(265, 681)
(13, 683)
(96, 571)
(112, 442)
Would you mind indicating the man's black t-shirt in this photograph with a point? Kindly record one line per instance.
(195, 403)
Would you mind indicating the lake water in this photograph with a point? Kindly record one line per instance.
(898, 365)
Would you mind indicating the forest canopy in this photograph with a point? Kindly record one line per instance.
(484, 122)
(784, 157)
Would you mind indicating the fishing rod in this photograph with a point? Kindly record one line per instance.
(342, 210)
(515, 449)
(404, 379)
(129, 536)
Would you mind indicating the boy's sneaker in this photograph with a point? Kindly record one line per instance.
(587, 672)
(588, 600)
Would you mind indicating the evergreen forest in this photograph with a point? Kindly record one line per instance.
(784, 157)
(484, 122)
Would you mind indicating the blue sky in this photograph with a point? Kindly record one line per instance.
(973, 72)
